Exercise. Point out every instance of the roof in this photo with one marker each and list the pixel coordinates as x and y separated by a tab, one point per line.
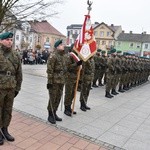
78	26
74	26
134	37
97	25
44	27
114	28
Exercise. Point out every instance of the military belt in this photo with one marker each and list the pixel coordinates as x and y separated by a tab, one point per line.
7	73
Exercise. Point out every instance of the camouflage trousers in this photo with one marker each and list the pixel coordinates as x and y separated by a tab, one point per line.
69	92
85	90
109	82
55	94
6	105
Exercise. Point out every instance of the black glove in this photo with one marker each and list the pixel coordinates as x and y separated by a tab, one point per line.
79	63
49	86
16	93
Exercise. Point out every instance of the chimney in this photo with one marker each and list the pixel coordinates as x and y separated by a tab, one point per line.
144	32
96	22
123	31
112	25
130	32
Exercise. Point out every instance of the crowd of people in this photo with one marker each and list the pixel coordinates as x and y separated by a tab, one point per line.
33	57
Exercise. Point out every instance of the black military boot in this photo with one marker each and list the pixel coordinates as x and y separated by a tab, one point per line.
94	85
114	92
67	110
82	107
125	88
121	90
56	117
1	139
100	84
108	95
51	117
87	107
7	135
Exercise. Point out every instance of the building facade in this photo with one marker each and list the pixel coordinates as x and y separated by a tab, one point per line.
138	44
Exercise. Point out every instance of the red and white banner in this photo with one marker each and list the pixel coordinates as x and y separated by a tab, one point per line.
85	44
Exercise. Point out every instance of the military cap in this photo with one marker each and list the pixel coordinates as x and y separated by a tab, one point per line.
108	52
99	50
119	51
112	51
6	35
103	52
57	43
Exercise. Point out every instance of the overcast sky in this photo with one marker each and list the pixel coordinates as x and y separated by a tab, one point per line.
132	15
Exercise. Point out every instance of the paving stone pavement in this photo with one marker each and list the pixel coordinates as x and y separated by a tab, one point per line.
118	123
34	134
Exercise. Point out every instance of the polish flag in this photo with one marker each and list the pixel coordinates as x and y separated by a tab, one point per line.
85	44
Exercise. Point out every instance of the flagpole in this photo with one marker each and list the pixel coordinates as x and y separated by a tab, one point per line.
75	91
80	67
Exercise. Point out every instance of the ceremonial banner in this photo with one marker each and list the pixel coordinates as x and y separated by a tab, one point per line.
85	44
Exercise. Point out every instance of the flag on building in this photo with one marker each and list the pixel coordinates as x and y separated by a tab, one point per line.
85	44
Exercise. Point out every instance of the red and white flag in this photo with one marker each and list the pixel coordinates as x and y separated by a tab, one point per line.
85	44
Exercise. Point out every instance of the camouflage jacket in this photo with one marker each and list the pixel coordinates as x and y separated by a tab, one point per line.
87	72
10	69
56	67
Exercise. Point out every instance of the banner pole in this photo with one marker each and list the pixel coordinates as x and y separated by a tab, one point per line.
75	91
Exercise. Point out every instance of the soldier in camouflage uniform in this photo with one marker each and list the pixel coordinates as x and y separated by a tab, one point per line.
87	75
56	72
103	64
72	68
10	83
97	67
110	73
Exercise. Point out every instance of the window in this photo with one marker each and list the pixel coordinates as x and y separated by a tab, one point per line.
68	33
17	37
110	43
76	32
138	45
131	45
119	43
103	42
95	33
101	33
146	46
47	39
108	34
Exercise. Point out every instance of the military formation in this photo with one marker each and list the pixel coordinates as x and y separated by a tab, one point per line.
118	72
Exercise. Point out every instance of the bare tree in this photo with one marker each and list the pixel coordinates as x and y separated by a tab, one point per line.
12	10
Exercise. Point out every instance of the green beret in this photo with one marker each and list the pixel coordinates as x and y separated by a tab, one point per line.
57	43
6	35
112	51
108	52
99	50
103	52
119	52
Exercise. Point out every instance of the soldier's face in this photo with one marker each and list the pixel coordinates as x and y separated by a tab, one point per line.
7	42
61	47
